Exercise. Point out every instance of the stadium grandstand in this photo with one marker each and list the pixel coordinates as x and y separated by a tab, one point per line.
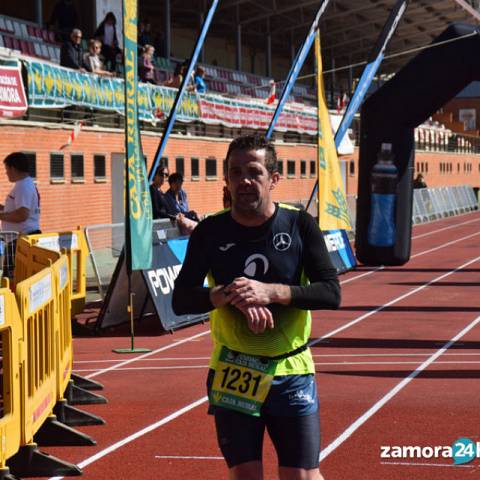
248	45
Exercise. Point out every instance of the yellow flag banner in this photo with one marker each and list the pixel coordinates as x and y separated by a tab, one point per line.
332	203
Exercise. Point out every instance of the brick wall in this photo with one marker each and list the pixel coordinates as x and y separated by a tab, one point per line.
67	204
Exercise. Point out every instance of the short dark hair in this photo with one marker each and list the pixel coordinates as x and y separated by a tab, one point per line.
175	178
17	160
160	169
255	142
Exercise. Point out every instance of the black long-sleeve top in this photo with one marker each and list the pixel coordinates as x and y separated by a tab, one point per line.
285	249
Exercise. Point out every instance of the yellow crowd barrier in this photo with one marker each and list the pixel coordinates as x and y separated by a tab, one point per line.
63	324
37	350
30	259
36	301
75	246
10	331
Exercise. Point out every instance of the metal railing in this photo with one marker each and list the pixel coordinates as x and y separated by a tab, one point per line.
436	203
105	244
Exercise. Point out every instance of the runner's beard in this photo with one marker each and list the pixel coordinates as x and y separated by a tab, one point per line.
248	203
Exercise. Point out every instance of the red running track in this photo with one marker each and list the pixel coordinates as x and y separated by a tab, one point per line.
397	365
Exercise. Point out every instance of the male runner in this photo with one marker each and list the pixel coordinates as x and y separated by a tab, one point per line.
258	256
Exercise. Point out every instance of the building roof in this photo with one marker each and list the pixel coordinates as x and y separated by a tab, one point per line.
349	28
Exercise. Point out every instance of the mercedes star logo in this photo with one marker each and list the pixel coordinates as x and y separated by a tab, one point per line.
282	241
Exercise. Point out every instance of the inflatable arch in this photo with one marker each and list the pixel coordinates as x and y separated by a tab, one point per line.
390	115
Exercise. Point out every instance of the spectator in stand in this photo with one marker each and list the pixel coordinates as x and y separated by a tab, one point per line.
159	205
176	198
144	34
146	70
177	78
71	53
419	182
199	83
92	60
64	17
107	34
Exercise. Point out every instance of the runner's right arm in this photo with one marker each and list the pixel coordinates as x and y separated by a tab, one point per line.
189	294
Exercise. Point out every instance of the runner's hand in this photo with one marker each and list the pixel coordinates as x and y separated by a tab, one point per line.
219	296
250	292
258	318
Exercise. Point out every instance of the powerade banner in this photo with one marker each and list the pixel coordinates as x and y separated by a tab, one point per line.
138	211
167	263
339	249
332	202
153	289
13	102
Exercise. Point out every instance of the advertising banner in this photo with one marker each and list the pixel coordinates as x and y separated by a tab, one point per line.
51	86
138	209
13	102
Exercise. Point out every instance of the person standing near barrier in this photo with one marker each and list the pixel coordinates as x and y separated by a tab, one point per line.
21	212
258	256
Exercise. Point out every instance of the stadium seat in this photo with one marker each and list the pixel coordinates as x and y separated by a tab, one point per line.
24	30
38	50
45	52
16	44
9	26
17	28
7	40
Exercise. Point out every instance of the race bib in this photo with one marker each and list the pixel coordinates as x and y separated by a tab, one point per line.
241	382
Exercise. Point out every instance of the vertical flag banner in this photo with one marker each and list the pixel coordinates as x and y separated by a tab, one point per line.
332	203
374	60
296	67
183	88
138	207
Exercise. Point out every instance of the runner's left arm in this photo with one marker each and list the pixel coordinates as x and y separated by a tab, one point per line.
323	292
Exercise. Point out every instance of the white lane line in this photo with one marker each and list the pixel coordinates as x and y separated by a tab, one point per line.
400	386
145	355
195	337
126	369
318	364
140	433
419	254
453	242
391	302
416	464
180	457
164	359
393	354
176	414
444	228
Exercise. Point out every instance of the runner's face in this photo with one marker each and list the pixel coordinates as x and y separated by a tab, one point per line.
249	181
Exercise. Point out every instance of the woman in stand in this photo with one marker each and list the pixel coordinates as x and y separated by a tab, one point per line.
107	34
146	69
92	59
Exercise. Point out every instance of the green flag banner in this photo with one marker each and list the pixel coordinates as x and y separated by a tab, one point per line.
138	211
